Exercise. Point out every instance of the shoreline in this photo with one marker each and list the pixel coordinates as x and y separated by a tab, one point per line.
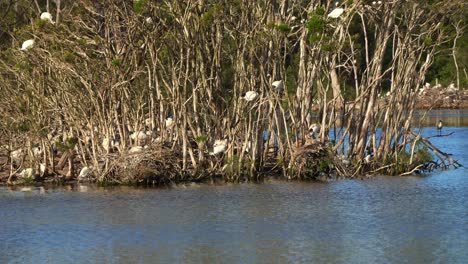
159	166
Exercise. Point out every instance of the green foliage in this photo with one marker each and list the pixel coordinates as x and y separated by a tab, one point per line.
320	11
201	139
67	145
139	6
23	127
210	15
116	62
291	82
283	28
69	57
427	41
316	24
81	42
423	155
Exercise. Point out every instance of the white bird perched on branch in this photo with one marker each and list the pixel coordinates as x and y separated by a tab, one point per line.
336	12
440	125
219	146
46	16
17	155
169	122
37	151
28	44
368	158
278	86
249	96
314	129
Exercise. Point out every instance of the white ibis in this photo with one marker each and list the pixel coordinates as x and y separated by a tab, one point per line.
110	145
27	173
28	44
169	122
440	125
149	20
219	146
17	155
135	150
368	158
46	16
42	168
249	96
336	12
139	135
314	129
278	86
37	151
84	173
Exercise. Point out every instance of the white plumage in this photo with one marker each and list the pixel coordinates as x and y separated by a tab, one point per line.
46	16
42	168
139	135
278	86
37	151
135	149
314	129
27	173
250	96
440	124
17	156
84	173
28	44
336	12
368	158
169	122
219	146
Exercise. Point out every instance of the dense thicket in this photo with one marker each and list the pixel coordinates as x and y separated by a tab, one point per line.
112	71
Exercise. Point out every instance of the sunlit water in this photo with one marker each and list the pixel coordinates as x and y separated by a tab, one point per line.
421	219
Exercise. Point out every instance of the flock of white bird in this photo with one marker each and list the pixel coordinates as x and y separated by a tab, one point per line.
219	146
46	16
29	44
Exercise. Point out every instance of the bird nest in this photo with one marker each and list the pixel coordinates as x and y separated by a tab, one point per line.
311	161
156	165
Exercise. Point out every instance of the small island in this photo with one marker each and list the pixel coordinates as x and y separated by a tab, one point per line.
146	93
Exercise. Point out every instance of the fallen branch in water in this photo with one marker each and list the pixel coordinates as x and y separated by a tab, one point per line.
412	171
382	168
440	154
445	135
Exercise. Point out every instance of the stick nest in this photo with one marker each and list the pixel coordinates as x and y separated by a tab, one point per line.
156	165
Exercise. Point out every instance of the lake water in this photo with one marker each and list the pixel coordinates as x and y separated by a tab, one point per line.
417	219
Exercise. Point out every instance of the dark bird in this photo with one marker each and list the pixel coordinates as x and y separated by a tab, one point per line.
440	124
